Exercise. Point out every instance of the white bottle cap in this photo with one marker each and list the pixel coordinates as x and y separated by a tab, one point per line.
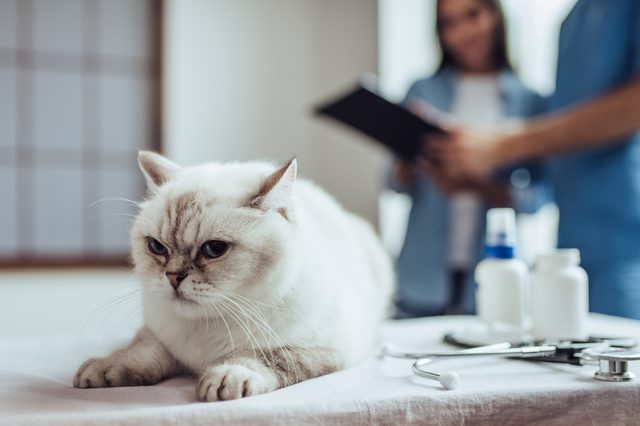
501	227
559	259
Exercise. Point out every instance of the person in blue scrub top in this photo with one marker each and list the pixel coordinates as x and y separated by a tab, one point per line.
591	139
477	86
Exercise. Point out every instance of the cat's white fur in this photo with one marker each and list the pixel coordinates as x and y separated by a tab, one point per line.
302	274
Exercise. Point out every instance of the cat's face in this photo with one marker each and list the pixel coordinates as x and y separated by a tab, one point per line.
211	235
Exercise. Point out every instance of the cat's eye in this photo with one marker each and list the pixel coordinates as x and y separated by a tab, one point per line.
214	248
156	246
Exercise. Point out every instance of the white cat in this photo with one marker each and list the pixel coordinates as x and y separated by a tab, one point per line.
252	280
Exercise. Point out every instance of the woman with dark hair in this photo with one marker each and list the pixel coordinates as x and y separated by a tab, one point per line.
476	85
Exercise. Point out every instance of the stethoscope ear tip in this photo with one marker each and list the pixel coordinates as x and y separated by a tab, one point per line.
449	381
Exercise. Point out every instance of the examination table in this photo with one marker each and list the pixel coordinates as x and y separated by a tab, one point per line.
36	376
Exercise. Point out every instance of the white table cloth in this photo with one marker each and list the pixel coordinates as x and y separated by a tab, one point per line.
36	375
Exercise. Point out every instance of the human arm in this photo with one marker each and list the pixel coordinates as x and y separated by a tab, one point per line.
593	124
597	123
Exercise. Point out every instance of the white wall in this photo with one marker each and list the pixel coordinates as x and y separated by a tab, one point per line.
408	47
534	28
241	77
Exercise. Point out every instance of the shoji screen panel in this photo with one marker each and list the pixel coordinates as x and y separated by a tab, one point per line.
79	96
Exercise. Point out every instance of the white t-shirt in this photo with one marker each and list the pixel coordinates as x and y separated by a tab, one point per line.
477	104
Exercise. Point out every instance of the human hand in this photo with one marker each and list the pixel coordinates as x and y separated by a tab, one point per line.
465	155
495	194
404	173
448	184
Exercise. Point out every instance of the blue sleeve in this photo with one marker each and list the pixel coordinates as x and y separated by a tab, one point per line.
412	93
539	104
635	26
535	104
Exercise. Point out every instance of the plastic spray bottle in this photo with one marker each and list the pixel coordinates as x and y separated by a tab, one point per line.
502	279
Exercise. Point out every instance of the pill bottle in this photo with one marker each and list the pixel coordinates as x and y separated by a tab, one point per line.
559	297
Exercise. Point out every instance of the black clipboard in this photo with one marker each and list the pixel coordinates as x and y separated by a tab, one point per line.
386	122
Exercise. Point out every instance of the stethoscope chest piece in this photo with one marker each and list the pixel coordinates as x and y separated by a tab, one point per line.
614	371
613	364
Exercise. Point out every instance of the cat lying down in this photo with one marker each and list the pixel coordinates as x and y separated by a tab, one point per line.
252	281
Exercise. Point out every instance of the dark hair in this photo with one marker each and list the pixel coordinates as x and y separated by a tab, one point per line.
500	50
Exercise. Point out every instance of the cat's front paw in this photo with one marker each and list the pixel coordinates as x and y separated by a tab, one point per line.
231	381
106	372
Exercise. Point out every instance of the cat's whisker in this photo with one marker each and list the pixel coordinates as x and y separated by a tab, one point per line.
241	311
233	346
255	311
266	330
215	317
266	337
248	314
268	360
246	330
121	294
255	302
121	214
248	303
131	315
206	315
106	304
129	310
121	301
108	309
235	319
285	349
102	200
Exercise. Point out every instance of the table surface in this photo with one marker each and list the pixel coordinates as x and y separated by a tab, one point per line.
36	374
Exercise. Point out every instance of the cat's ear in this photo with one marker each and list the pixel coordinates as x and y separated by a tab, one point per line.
157	169
276	190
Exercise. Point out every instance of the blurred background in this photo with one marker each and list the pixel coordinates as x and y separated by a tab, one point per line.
85	84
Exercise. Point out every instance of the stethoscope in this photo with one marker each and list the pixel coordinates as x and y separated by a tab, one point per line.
611	355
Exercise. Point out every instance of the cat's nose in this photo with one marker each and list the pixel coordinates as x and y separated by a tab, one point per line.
175	278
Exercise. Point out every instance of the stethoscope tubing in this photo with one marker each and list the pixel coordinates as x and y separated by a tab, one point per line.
520	352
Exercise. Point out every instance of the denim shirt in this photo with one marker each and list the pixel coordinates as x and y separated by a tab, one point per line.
422	267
